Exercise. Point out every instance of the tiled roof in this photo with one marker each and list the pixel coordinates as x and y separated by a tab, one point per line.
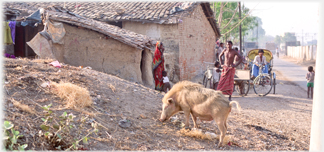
158	12
153	12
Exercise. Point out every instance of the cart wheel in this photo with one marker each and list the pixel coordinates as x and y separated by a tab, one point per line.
246	88
274	83
274	86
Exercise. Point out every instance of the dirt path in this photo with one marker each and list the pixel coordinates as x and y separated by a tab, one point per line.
286	113
275	122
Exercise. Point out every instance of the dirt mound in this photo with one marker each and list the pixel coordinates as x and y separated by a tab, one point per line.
123	115
37	111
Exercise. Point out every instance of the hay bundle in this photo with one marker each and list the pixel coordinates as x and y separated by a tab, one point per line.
75	97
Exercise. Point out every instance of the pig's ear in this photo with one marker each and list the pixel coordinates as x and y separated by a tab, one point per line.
170	100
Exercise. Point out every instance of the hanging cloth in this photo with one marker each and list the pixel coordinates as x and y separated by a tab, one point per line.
12	25
7	33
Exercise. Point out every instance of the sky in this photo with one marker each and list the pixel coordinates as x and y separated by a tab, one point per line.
301	17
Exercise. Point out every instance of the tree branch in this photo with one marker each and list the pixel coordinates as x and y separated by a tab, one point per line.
239	21
237	24
220	16
232	17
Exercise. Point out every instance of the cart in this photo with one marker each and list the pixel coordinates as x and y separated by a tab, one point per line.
264	82
242	78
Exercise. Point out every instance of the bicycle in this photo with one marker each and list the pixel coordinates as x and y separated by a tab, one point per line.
262	84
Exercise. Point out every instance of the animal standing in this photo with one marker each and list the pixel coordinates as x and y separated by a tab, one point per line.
194	99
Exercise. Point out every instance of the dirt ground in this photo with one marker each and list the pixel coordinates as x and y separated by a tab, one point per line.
278	121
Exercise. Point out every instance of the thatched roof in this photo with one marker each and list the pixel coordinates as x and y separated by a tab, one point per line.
146	12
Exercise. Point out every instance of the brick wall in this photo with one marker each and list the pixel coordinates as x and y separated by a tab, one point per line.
187	44
197	42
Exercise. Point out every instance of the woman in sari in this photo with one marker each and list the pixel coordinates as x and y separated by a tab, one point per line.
158	65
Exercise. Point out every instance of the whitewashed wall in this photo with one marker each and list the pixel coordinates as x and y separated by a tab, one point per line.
302	52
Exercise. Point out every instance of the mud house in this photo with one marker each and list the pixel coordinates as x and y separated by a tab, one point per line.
188	29
80	41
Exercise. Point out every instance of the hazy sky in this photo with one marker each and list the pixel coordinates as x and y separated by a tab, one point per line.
279	17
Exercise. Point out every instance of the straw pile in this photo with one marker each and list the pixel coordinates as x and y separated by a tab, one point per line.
75	97
194	133
197	133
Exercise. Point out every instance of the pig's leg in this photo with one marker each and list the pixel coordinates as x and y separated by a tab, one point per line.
222	128
194	118
187	115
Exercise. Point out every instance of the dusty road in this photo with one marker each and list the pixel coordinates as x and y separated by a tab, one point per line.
288	112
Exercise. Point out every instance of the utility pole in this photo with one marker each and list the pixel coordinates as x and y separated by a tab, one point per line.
239	3
258	33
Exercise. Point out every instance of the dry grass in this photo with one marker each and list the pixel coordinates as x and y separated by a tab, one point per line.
101	139
43	60
194	133
92	114
23	107
112	87
75	97
200	135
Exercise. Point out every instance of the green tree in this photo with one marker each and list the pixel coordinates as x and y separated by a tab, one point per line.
228	20
289	37
278	39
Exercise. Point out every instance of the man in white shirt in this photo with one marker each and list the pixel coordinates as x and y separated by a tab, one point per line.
259	60
277	52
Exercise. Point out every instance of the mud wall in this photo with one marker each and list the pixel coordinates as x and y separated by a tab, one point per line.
83	47
168	35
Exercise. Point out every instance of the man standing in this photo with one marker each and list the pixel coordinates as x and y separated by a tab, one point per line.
226	82
219	51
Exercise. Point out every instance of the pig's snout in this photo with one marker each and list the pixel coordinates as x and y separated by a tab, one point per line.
163	117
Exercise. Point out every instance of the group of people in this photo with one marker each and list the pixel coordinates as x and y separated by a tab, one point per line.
227	60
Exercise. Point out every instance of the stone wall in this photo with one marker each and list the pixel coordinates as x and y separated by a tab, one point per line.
83	47
197	42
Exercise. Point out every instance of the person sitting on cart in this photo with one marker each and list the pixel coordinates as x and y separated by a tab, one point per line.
258	61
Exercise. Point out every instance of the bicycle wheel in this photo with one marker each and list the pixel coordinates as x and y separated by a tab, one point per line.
246	87
262	85
205	81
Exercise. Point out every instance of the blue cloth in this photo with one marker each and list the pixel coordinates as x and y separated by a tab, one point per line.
255	70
